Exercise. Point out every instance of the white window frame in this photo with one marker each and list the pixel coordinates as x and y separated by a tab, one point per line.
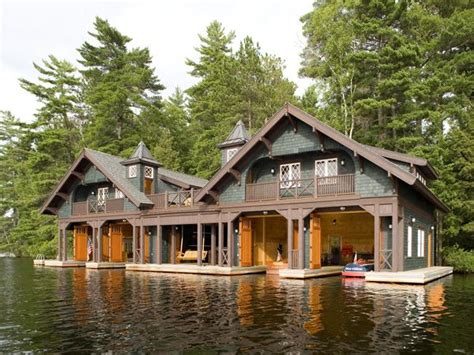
230	153
294	174
102	195
119	194
132	171
409	241
148	172
326	173
421	243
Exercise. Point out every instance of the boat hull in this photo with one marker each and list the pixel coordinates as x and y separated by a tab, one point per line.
357	270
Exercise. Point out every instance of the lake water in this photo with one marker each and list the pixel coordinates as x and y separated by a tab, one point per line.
56	310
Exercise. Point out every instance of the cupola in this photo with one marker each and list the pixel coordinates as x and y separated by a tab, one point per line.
236	139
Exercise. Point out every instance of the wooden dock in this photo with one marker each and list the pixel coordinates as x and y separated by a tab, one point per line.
196	269
104	265
302	274
417	277
59	263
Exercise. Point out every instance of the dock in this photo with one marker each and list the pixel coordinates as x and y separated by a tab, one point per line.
416	277
302	274
196	269
59	263
104	265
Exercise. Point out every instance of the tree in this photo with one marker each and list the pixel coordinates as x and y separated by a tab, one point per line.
120	89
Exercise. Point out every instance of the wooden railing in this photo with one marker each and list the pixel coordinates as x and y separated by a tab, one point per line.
91	206
173	199
302	188
385	262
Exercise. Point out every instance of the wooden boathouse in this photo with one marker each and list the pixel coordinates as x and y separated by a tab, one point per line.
298	198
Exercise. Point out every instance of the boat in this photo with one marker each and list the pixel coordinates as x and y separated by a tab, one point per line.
358	268
7	255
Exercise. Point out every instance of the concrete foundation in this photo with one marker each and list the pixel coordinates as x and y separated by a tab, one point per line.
196	269
302	274
59	263
104	265
418	277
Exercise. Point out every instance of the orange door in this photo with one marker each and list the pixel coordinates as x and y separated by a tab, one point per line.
116	244
148	186
295	235
316	242
80	243
246	242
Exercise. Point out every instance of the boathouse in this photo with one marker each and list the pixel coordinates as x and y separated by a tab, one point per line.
298	198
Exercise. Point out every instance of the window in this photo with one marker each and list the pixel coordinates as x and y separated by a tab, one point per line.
118	193
132	171
102	195
421	243
409	241
290	175
324	168
148	172
231	153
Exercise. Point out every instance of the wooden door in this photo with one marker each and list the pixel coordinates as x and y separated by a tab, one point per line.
295	235
116	248
246	242
80	243
148	186
315	242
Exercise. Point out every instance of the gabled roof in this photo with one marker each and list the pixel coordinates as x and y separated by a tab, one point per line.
238	136
183	180
359	149
141	154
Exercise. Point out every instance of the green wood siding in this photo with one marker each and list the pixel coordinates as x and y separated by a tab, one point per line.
415	262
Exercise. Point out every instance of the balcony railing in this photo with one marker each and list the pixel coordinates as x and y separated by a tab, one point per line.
173	199
302	188
92	206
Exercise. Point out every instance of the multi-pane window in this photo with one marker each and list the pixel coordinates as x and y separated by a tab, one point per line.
118	193
290	175
421	243
132	171
324	168
231	153
102	194
409	241
148	172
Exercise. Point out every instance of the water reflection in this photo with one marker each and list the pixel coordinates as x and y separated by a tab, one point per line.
111	310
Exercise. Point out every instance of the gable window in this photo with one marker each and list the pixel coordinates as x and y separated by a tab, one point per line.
409	241
148	172
324	168
290	175
102	194
132	171
118	194
230	153
421	243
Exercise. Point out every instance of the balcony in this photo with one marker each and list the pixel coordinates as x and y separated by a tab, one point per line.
173	199
302	188
92	206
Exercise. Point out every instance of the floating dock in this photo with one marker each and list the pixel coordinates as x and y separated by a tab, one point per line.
59	263
104	265
302	274
417	277
196	269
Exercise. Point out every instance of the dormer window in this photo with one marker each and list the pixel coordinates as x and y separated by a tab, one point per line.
148	172
231	153
132	171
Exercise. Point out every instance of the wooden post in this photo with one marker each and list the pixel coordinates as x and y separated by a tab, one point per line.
173	245
213	244
60	249
230	243
290	242
377	246
99	245
220	247
300	243
142	244
159	244
134	246
64	244
199	244
94	244
395	239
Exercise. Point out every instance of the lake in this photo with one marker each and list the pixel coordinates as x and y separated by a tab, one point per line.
58	310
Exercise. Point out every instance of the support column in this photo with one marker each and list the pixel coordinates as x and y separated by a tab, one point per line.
230	243
290	242
199	244
159	244
220	247
142	244
300	243
99	245
94	244
173	244
134	246
213	244
377	246
395	239
64	244
60	249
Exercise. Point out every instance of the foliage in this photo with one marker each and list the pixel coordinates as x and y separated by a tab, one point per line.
461	260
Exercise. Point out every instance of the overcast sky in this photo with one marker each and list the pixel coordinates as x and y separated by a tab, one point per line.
31	30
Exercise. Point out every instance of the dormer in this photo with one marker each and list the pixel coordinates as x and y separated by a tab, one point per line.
142	169
236	139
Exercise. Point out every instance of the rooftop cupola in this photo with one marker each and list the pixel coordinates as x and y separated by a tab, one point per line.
142	169
235	140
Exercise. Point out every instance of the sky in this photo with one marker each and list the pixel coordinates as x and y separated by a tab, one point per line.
32	30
